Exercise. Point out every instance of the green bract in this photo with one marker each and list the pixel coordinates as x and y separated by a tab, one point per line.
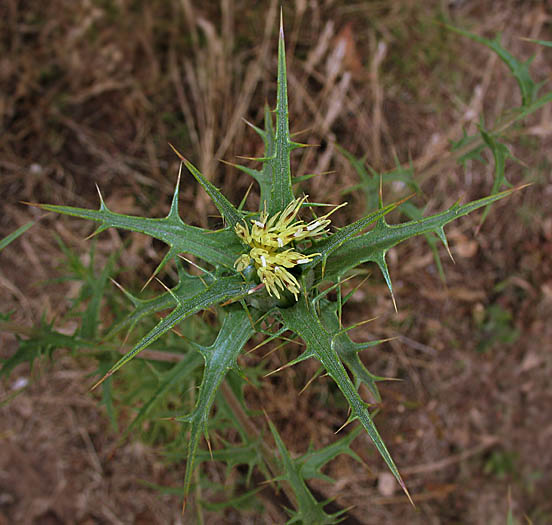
240	284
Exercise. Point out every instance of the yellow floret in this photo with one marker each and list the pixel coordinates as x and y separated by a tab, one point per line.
267	237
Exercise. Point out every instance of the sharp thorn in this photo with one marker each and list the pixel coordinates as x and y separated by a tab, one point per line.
147	282
97	384
343	426
310	381
394	303
180	156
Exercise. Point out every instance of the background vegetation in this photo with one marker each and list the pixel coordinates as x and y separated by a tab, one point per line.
92	92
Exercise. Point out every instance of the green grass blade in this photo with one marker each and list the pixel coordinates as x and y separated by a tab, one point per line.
14	235
107	400
96	286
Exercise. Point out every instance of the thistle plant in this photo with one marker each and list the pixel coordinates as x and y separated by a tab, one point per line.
271	267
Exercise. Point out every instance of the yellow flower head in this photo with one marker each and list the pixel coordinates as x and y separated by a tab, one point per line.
267	239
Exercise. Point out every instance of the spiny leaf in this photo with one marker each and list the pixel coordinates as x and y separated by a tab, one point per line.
309	510
520	70
330	244
188	286
500	153
281	193
303	320
262	179
233	416
370	185
313	461
228	211
219	248
415	213
220	357
224	289
472	145
234	455
473	153
42	341
370	182
373	245
303	178
348	351
527	110
265	179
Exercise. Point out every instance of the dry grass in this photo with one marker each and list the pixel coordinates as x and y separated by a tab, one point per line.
92	92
